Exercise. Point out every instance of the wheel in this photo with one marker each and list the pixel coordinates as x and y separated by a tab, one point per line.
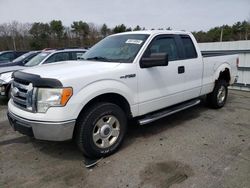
101	129
218	97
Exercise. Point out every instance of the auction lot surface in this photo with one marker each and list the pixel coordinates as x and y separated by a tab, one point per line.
198	147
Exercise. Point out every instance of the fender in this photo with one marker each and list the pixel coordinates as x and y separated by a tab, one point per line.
100	87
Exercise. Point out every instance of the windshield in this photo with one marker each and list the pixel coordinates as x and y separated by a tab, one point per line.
37	59
117	48
22	57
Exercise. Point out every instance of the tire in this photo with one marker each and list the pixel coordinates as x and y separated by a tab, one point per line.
9	93
218	97
100	129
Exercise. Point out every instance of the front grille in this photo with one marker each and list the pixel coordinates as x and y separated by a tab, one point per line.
21	95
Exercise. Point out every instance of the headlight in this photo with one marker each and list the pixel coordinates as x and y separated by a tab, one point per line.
6	77
50	97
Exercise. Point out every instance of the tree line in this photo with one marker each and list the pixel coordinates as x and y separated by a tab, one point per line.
238	31
39	35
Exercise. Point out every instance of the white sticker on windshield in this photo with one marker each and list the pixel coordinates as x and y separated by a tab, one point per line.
134	41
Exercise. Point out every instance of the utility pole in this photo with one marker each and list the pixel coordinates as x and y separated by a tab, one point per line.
14	42
221	34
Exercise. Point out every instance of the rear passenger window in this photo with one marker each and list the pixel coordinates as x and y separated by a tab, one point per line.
163	45
77	55
189	48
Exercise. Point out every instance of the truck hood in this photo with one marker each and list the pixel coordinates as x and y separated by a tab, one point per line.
71	69
11	69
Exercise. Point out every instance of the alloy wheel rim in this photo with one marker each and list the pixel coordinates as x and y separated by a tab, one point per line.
221	95
106	131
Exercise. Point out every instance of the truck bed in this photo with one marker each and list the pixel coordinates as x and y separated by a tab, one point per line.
212	61
218	53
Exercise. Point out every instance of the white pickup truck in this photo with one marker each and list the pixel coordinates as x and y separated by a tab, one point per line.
144	75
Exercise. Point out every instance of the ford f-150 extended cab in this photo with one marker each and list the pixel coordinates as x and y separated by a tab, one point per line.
144	75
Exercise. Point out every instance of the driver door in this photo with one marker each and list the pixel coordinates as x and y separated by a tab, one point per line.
162	86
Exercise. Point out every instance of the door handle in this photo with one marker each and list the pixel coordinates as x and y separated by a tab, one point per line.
181	69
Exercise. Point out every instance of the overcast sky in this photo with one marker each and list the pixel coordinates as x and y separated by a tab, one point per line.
190	15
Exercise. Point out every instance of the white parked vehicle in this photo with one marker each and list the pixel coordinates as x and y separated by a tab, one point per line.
45	57
144	75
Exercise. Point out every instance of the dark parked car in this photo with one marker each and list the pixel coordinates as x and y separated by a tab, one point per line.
21	60
8	56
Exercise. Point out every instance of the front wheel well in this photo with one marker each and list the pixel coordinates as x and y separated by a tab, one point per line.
111	98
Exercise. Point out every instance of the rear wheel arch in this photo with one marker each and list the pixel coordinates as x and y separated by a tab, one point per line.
225	75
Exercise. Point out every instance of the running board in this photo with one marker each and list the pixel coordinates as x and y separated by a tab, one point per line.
158	115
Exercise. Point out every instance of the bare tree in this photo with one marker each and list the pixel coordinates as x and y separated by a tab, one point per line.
94	34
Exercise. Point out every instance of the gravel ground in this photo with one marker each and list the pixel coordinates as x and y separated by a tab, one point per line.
195	148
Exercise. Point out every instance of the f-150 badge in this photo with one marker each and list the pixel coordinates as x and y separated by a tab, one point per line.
128	76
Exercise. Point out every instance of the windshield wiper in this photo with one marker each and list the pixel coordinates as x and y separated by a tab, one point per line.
98	58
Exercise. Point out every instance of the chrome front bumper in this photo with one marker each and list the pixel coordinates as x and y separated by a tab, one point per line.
53	131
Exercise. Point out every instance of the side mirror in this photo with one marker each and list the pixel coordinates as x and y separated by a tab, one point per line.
155	60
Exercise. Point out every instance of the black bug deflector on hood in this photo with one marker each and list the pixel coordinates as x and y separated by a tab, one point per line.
36	80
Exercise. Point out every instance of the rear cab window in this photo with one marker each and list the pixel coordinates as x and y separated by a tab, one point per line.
188	47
